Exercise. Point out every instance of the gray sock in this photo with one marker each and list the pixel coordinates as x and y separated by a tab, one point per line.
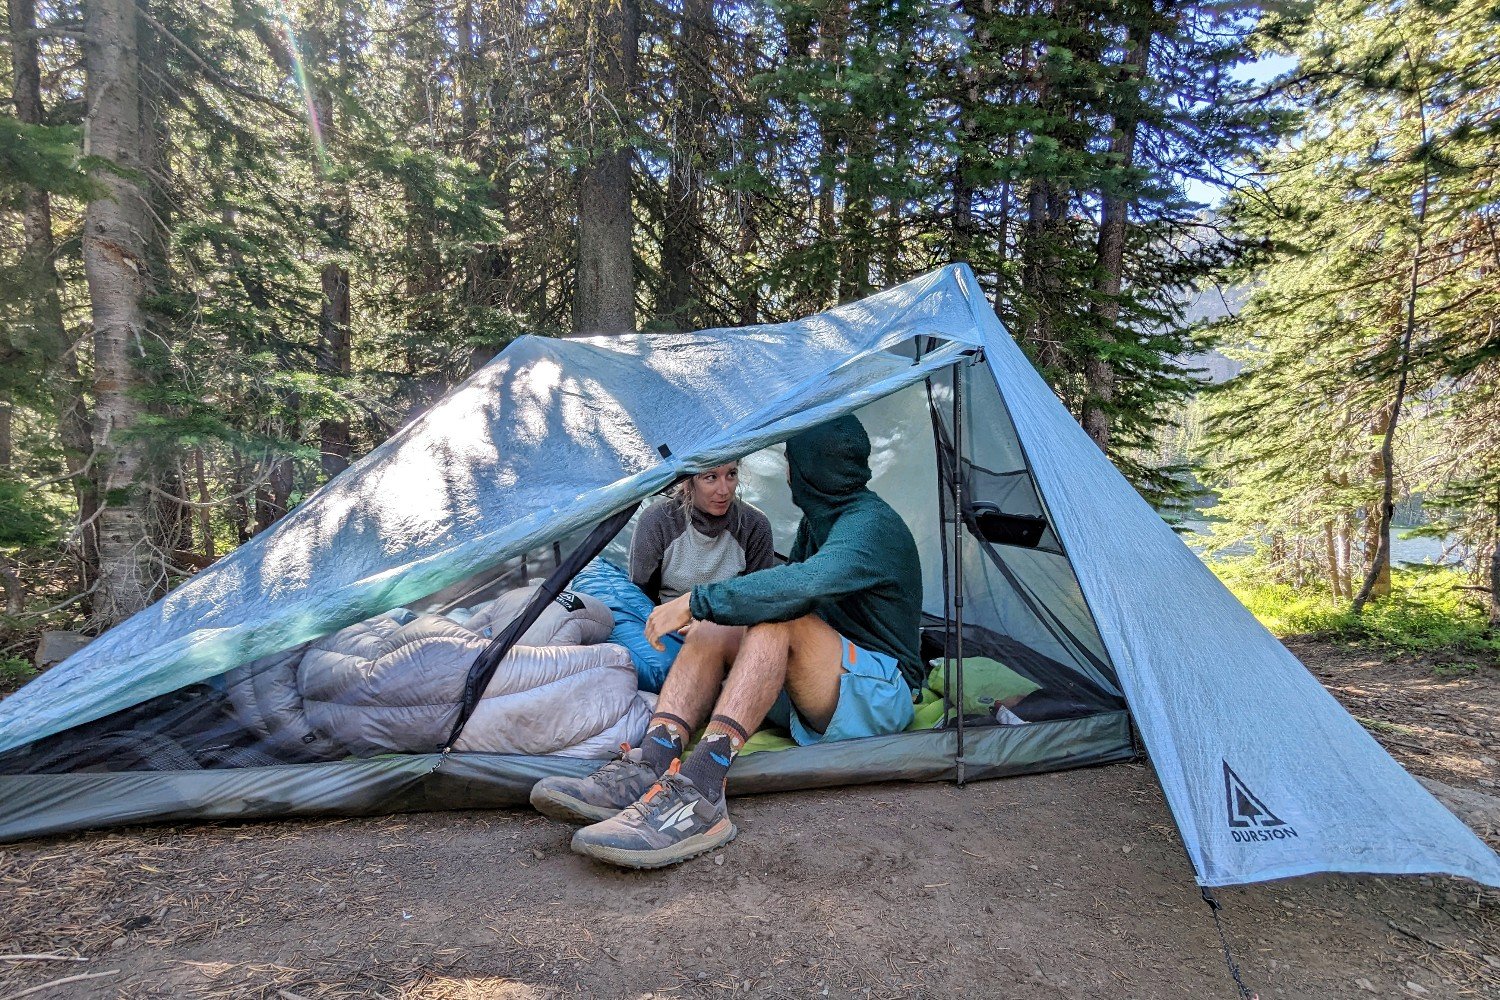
662	744
708	765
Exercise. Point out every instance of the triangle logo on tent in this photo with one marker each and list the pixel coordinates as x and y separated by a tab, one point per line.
1248	813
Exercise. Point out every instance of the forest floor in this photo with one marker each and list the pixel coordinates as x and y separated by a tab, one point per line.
1068	885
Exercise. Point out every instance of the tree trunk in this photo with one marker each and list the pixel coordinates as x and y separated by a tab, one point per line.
833	34
489	272
1331	552
857	244
971	99
891	271
39	267
239	505
115	265
1278	557
48	336
749	204
1495	571
1002	238
1378	579
205	512
1382	465
15	590
1346	553
424	266
604	301
1377	526
682	235
335	220
273	496
334	355
1040	263
1098	368
170	516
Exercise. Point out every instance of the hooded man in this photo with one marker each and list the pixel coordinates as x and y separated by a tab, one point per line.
826	645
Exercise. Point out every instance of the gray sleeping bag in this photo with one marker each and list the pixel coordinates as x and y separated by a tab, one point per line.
386	686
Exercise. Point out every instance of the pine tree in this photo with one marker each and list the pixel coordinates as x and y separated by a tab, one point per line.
1368	281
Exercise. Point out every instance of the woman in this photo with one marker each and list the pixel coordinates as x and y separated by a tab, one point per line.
701	534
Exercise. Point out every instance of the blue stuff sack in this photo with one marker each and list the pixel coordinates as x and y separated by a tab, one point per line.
609	583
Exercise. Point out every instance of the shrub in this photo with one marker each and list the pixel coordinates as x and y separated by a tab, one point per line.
1426	610
14	672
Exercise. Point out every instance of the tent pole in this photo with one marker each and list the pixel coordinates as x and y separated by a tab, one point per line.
939	442
488	661
959	761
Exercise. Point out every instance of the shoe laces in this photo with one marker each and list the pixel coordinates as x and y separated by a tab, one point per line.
663	793
618	768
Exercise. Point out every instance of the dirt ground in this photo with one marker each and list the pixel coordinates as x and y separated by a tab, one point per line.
1059	886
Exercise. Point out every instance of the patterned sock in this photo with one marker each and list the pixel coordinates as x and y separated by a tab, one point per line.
665	737
708	765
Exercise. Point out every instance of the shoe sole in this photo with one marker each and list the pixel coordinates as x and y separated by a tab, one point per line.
566	809
717	835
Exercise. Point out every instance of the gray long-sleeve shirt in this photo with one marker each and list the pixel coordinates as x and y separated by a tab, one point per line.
669	555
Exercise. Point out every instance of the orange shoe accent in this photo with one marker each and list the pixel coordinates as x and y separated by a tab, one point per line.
672	768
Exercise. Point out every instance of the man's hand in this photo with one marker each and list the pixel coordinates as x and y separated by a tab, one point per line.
670	617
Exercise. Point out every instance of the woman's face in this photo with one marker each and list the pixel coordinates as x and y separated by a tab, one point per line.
713	491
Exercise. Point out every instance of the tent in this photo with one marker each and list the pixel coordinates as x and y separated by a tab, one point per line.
1035	550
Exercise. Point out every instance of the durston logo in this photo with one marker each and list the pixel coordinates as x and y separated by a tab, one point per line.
1250	819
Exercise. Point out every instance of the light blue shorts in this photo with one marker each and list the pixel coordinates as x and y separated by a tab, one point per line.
874	700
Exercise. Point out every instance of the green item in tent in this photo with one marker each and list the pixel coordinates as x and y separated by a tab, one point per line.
927	713
769	738
986	683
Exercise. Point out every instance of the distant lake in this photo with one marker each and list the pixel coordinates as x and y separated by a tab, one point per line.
1403	550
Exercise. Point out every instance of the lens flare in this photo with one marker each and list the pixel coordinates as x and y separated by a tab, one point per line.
299	74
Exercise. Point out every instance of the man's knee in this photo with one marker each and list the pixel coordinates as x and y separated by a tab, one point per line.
789	629
807	630
770	635
709	637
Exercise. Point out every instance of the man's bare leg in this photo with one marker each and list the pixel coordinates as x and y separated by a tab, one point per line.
689	691
698	673
803	655
691	687
684	813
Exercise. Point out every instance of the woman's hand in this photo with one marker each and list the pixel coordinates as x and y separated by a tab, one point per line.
670	617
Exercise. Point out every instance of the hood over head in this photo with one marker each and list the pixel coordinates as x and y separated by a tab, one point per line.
830	464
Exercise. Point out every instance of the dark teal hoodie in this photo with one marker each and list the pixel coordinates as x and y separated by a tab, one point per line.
854	562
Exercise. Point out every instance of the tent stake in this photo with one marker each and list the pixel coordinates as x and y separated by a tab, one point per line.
959	761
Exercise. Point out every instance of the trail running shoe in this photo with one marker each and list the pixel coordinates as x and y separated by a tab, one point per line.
596	796
672	822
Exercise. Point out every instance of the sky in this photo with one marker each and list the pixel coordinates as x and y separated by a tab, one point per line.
1260	71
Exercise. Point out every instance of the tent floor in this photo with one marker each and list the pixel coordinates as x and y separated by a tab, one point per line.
39	804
